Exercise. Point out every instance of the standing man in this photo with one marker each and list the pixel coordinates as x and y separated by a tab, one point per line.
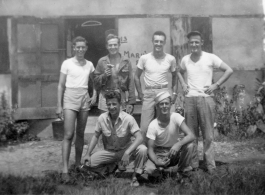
199	102
117	129
74	101
155	66
165	148
114	72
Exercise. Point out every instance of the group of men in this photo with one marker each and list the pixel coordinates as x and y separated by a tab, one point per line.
157	144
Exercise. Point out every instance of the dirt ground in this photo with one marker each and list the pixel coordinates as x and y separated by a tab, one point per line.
40	157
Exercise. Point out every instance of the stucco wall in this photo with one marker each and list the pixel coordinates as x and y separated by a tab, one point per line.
238	41
126	7
246	78
5	80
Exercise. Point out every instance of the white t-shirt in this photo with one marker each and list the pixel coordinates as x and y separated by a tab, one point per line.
155	70
200	74
168	136
77	75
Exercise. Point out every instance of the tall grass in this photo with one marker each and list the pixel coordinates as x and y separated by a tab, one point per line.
230	179
10	184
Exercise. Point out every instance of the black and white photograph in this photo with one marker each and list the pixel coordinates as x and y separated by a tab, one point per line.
132	97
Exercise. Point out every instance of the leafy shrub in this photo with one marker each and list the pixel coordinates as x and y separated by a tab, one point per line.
235	117
9	129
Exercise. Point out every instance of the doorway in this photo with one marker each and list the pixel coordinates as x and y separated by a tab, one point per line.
93	30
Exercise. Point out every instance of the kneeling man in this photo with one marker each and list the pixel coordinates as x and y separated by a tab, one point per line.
165	148
117	128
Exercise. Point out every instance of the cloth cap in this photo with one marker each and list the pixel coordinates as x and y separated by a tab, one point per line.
161	96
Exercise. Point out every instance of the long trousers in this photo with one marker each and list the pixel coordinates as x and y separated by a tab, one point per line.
182	159
200	115
103	158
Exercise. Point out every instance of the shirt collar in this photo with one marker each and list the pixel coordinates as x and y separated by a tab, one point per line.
122	58
75	60
121	115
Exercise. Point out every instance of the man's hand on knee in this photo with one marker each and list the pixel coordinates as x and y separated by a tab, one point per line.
125	159
163	163
87	160
174	150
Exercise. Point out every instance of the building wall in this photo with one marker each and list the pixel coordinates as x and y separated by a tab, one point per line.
238	41
128	7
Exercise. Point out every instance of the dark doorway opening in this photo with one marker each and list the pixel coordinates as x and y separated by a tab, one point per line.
93	30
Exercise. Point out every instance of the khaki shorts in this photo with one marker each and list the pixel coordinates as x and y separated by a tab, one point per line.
76	99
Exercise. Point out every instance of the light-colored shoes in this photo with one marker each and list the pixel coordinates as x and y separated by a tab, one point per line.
187	169
134	182
65	178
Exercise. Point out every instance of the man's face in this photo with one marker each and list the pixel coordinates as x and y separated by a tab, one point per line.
158	43
113	106
164	106
80	49
195	44
113	46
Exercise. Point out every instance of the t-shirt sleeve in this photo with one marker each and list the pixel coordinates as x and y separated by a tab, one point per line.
173	66
134	126
216	61
178	119
141	63
151	132
92	67
182	64
64	68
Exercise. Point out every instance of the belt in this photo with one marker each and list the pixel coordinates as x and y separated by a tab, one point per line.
156	87
162	148
111	89
116	149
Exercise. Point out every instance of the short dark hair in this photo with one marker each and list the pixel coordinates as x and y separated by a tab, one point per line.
112	36
194	33
160	33
78	39
113	94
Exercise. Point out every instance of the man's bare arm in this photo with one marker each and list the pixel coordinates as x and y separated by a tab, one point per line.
137	82
227	73
60	92
189	137
93	143
126	156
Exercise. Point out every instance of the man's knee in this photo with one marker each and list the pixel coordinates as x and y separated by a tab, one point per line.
80	134
209	137
189	147
68	135
142	150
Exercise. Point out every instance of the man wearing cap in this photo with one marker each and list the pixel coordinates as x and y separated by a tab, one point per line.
114	72
117	128
156	66
165	148
198	89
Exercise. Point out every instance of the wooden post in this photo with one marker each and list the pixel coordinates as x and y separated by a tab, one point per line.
12	45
